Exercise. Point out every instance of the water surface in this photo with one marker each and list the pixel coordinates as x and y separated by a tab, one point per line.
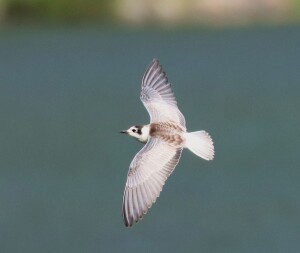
66	93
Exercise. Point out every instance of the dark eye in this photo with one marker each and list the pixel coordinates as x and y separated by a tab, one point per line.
133	130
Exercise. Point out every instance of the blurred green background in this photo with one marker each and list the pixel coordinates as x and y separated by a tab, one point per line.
137	12
70	74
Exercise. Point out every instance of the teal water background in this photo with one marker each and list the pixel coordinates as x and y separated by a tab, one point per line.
66	93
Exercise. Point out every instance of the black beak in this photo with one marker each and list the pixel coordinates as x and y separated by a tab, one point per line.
123	132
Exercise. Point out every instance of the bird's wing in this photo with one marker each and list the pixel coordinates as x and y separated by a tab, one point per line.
158	97
147	174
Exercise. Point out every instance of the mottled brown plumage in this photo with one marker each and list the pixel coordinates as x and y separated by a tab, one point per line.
168	132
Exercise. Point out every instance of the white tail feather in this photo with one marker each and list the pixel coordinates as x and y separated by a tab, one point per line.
201	144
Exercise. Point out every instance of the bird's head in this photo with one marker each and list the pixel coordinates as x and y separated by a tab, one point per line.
139	132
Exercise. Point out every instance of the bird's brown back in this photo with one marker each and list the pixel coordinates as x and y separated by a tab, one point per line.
168	132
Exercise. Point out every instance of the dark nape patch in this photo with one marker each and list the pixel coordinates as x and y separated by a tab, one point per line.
139	129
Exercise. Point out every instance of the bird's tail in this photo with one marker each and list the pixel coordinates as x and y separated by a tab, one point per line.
200	143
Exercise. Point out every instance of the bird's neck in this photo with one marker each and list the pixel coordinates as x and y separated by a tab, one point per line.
145	133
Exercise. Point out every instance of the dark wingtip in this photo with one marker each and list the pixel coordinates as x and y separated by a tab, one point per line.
155	62
128	223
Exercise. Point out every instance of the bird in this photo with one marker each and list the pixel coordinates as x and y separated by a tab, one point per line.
165	137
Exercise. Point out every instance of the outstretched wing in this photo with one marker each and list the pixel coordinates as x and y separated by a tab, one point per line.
147	174
158	97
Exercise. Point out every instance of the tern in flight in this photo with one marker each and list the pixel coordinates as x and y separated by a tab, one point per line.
165	138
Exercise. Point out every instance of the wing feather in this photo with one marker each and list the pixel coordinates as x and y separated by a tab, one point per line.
158	97
147	174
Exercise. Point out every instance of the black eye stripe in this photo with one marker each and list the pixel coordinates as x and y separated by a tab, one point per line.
139	131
